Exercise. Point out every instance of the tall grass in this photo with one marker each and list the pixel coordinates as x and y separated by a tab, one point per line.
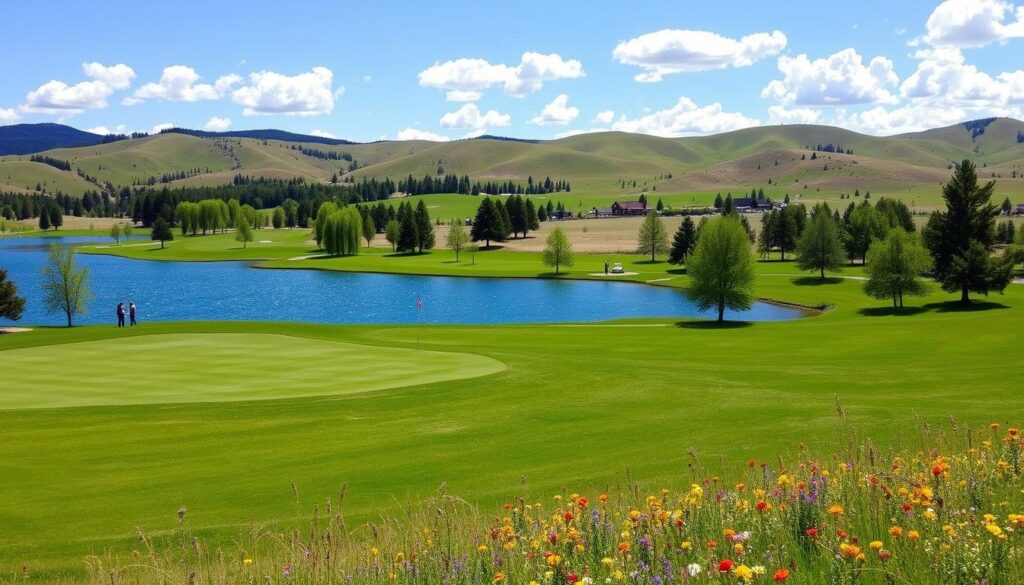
942	507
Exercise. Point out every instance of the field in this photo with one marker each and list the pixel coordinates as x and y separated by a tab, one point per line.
586	406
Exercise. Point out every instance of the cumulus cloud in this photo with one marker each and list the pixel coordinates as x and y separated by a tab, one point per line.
306	94
217	124
556	113
470	117
417	134
944	77
322	134
161	127
840	79
973	23
685	118
605	117
8	116
783	115
58	98
465	80
179	83
671	51
103	130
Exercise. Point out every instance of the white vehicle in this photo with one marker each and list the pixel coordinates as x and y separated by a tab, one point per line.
617	268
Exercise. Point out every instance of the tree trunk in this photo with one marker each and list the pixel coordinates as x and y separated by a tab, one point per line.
965	295
69	317
823	272
161	244
721	311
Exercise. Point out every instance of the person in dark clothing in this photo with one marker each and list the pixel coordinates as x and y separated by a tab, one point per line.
120	314
131	313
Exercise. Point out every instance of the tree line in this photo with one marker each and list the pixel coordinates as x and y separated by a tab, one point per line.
53	162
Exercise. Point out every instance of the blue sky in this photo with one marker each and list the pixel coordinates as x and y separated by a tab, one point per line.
446	70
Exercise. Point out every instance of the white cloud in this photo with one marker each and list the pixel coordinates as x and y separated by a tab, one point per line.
973	23
685	118
556	113
464	80
671	51
322	134
179	83
605	117
416	134
579	131
59	98
8	116
217	124
160	127
840	79
944	77
469	117
306	94
101	130
783	115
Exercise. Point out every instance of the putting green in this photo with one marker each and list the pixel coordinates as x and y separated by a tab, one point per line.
218	367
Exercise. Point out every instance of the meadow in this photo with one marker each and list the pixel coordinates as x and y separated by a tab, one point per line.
590	406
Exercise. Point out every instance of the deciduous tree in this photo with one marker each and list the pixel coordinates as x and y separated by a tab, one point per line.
65	286
558	250
721	269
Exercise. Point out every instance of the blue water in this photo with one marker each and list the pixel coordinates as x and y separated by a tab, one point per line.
179	291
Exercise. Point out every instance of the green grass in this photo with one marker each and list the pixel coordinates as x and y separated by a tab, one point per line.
580	405
106	372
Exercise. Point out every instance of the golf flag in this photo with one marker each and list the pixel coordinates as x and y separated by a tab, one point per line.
419	304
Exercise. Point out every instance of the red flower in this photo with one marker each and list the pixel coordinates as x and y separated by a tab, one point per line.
937	470
553	537
762	506
568	517
812	532
781	575
572	578
582	502
884	555
906	506
725	566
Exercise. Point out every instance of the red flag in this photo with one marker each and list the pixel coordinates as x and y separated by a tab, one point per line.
419	304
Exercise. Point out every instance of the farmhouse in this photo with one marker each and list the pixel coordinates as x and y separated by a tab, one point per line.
629	208
1020	209
601	212
751	205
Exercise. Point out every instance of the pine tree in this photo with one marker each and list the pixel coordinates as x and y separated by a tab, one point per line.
11	305
683	242
424	229
820	246
489	224
162	231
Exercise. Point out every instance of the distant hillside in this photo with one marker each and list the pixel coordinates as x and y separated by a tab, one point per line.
268	134
32	138
807	161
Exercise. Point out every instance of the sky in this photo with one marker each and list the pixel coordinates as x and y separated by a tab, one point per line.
445	70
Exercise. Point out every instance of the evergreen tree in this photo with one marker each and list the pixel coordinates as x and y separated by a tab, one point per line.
424	229
684	241
532	219
961	238
718	201
161	231
56	216
408	234
489	224
11	305
369	228
784	231
865	225
44	220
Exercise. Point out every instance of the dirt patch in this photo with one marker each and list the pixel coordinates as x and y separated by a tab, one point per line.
7	330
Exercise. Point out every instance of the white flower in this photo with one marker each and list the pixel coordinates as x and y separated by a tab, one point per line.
693	569
758	569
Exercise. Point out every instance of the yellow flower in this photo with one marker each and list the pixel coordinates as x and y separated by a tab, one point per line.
994	530
608	562
246	561
913	534
876	545
499	577
835	510
743	573
482	548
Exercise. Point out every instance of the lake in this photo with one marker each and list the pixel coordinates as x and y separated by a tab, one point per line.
182	291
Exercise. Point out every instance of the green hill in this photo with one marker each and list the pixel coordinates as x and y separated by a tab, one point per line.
777	159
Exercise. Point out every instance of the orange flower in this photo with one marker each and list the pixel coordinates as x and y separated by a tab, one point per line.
781	575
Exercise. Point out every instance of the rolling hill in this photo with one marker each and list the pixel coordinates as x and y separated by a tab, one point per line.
30	138
795	160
